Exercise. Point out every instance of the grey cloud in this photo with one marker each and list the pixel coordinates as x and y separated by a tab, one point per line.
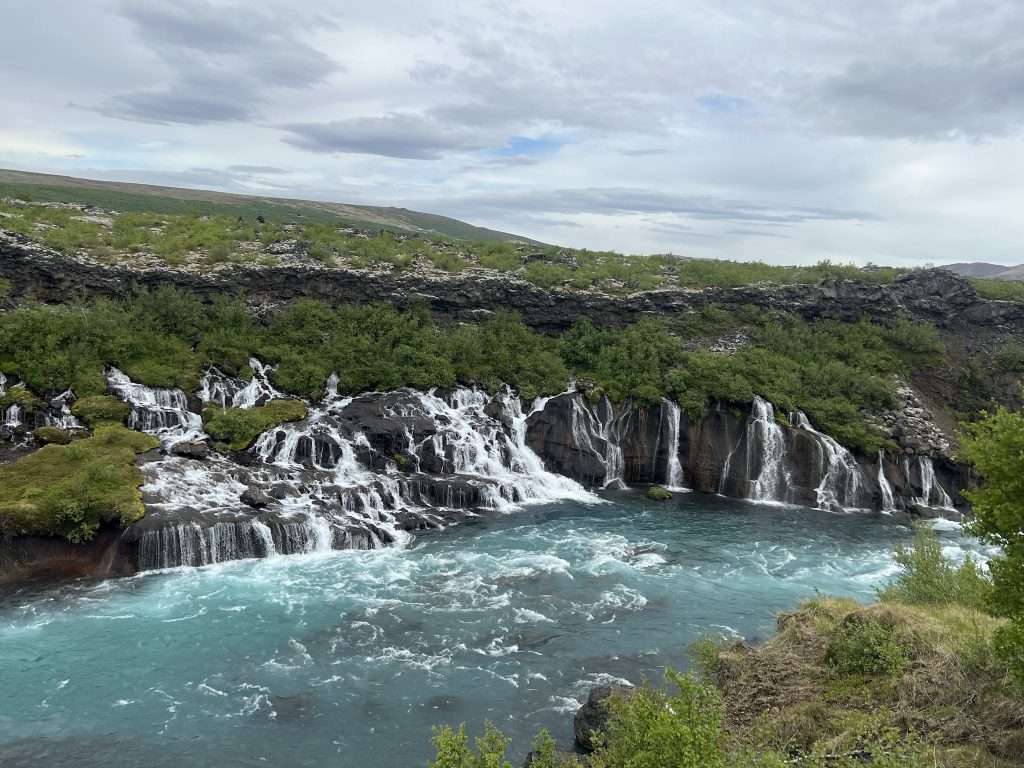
401	135
618	201
223	61
928	100
258	169
173	106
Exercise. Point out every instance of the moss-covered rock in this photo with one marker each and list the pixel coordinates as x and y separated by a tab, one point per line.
52	435
21	397
658	493
69	490
238	428
97	409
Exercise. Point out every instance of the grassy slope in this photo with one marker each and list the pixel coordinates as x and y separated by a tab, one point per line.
123	196
838	672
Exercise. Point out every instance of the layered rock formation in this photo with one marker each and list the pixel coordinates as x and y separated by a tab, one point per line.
935	296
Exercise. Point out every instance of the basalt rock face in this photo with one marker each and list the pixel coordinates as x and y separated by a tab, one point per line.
26	558
934	295
745	452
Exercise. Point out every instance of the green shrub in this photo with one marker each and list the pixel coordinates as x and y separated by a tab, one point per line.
653	728
995	445
69	490
864	646
52	435
96	409
453	750
238	428
928	578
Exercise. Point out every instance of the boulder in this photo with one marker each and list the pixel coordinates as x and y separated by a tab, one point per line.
255	497
592	718
189	449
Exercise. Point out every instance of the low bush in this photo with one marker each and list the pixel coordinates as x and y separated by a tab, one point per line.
238	428
864	646
928	578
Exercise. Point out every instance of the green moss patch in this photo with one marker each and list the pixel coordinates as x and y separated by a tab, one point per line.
238	428
52	435
21	397
69	490
658	493
97	409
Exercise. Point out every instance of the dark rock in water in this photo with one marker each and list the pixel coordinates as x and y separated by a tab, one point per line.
188	449
255	497
281	491
592	718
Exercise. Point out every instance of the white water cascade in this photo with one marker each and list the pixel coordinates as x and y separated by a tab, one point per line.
842	478
772	481
674	468
156	410
228	392
587	421
888	499
932	492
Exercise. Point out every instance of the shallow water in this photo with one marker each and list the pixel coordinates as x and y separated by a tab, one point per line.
348	658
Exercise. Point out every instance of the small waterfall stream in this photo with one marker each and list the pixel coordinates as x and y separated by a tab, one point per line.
842	478
159	411
888	499
772	481
601	422
674	469
932	492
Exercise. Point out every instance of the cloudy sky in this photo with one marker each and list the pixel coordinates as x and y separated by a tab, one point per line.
788	131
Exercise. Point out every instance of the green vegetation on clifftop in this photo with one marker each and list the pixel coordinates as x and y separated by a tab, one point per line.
832	371
70	490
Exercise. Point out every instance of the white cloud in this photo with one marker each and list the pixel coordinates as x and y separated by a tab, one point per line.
731	128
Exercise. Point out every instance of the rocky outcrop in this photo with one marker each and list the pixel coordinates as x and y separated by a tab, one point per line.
931	295
591	719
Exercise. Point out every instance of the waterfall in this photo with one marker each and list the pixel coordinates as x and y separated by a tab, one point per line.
191	544
772	480
842	481
888	500
12	416
673	468
932	493
159	411
586	423
227	392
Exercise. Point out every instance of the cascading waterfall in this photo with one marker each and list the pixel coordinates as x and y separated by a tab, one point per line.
932	492
156	410
888	498
674	468
229	392
763	432
586	422
842	479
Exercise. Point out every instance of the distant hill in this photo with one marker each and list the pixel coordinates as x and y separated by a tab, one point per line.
122	196
985	270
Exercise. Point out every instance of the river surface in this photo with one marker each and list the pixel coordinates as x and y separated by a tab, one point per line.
349	658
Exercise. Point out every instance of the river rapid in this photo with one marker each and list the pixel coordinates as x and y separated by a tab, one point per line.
348	658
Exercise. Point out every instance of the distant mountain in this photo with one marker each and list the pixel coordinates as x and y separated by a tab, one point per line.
122	196
983	269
